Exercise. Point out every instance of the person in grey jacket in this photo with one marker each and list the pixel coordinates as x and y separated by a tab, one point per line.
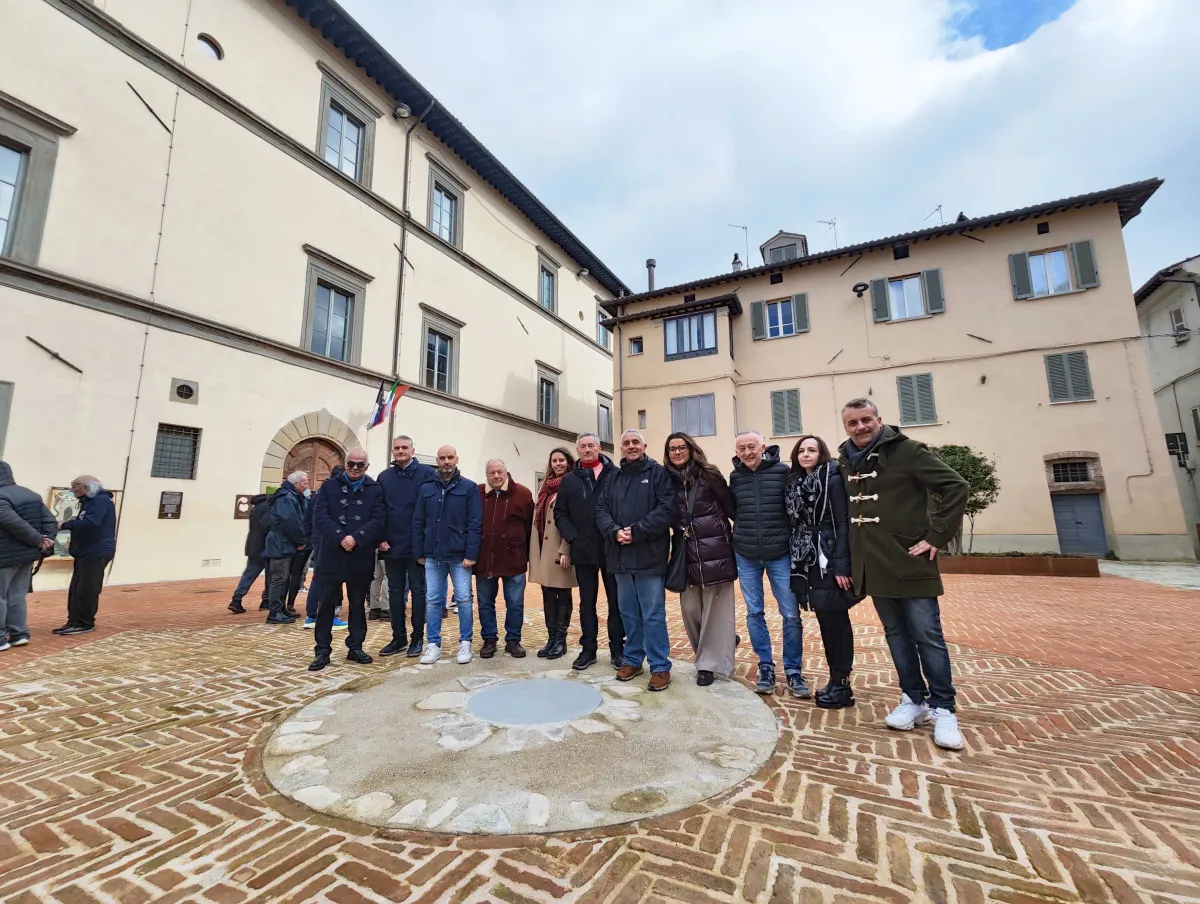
27	530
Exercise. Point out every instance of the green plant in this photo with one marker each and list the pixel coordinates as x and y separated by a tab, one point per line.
979	472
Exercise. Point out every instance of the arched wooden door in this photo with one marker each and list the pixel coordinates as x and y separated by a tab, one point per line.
315	456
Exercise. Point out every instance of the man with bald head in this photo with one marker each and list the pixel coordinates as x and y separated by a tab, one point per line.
447	527
93	544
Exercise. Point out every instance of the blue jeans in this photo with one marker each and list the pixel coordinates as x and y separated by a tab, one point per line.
514	606
913	629
254	567
437	571
750	575
642	600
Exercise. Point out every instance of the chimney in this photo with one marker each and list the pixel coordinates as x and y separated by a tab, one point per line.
737	263
650	274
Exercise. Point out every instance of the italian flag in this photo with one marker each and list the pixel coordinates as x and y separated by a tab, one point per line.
385	402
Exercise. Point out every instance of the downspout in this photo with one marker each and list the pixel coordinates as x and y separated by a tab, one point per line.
621	365
403	262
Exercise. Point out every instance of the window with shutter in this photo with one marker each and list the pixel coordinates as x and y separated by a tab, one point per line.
916	399
935	299
694	415
800	309
880	305
690	336
758	320
785	413
1086	273
1022	278
908	400
1069	377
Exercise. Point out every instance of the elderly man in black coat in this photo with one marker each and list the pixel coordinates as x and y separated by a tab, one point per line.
27	530
349	516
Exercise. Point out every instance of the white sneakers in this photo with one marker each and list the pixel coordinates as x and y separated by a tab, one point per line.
433	652
909	715
945	730
464	652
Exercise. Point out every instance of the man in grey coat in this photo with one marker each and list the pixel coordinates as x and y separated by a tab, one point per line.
27	530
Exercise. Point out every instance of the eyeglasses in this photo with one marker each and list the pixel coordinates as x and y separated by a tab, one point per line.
674	449
355	465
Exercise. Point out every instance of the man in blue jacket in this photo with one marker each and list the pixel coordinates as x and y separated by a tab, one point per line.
285	537
447	527
402	481
27	531
349	516
93	544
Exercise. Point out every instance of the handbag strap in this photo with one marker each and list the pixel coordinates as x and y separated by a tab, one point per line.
691	505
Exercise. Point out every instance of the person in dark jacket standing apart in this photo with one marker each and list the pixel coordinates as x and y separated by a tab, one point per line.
285	536
760	541
503	558
634	514
575	518
703	509
820	554
256	544
27	530
896	530
402	480
446	529
93	545
350	516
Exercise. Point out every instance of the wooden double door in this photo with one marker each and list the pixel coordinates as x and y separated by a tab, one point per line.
317	457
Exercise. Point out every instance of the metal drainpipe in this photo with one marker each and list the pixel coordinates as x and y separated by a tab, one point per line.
620	368
403	259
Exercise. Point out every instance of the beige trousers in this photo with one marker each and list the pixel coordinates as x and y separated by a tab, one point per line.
709	616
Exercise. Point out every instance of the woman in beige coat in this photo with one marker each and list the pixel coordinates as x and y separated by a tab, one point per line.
549	558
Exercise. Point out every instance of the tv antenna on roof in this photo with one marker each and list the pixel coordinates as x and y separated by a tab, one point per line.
938	211
832	224
746	238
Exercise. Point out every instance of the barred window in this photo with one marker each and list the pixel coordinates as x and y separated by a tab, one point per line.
176	450
1072	472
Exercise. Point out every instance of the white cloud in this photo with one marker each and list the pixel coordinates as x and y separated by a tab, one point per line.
647	128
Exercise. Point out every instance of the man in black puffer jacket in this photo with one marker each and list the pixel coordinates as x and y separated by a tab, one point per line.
634	515
256	544
575	518
761	534
27	530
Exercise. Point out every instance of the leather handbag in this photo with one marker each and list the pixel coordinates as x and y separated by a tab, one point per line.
676	580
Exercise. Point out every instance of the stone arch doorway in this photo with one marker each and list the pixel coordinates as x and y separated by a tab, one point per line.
318	439
316	457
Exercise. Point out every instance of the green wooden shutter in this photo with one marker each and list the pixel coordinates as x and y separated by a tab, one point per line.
758	320
792	412
1056	376
800	311
1079	376
879	300
1086	274
778	413
907	390
935	300
6	394
926	410
1022	279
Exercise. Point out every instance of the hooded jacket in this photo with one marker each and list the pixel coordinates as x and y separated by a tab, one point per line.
891	511
94	531
641	496
448	520
256	536
761	530
507	526
709	546
575	511
401	486
24	521
287	516
340	511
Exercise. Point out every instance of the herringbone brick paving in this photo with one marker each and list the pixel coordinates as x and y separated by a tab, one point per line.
129	772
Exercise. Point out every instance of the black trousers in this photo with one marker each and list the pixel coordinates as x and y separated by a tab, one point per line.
279	569
296	575
837	635
589	578
331	596
406	575
83	597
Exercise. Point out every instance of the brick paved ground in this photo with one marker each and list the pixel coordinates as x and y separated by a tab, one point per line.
129	772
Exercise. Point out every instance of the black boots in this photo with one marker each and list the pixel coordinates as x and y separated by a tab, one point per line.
558	619
550	612
838	694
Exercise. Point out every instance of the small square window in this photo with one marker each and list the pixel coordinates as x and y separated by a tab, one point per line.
176	451
1071	472
781	254
905	298
1177	445
636	346
1179	325
641	418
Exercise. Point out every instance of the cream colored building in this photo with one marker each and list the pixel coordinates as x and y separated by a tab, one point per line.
1013	334
1168	309
203	209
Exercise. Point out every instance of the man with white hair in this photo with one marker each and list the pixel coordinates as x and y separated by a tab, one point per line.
634	515
93	544
285	537
503	558
762	544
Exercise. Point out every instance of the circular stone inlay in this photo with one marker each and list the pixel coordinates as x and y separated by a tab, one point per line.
534	702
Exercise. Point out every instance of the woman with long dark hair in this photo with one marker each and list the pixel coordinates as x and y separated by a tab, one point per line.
549	558
703	509
818	510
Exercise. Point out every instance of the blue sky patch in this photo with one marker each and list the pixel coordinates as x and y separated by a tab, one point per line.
1003	22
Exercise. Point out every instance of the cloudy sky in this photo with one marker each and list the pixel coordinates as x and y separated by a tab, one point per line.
649	127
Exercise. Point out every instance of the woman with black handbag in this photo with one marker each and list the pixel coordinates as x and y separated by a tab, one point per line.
704	507
818	510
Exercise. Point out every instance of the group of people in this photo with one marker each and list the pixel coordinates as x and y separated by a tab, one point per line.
825	532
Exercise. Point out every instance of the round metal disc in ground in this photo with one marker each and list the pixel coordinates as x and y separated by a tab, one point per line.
534	702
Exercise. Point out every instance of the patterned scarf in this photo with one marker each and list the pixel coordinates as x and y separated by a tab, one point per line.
548	491
807	500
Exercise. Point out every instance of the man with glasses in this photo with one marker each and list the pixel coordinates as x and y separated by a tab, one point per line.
350	515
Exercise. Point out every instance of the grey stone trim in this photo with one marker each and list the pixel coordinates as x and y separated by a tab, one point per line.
48	284
334	89
433	320
439	174
327	269
451	321
549	368
551	266
550	375
35	135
